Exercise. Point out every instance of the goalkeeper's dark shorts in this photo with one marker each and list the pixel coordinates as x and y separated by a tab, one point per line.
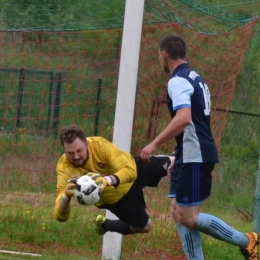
131	208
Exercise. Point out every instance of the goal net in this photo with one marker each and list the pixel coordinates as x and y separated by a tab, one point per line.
59	64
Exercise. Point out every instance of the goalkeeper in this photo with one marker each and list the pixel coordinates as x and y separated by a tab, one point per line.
120	176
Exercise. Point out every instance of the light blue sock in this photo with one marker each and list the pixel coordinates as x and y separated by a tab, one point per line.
191	242
218	229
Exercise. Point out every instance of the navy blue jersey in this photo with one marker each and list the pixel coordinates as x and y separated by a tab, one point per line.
187	89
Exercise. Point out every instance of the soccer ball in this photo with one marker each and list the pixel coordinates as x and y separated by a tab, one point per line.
87	192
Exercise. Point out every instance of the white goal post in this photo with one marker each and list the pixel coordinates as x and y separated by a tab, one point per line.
126	92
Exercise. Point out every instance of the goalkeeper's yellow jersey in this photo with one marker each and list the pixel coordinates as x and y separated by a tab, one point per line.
104	158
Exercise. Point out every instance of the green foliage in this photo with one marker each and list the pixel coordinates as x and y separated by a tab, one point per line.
80	76
246	96
61	14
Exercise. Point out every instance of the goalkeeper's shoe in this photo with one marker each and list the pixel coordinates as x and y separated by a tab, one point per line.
251	251
99	221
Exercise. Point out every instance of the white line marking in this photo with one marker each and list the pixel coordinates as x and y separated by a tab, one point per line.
18	253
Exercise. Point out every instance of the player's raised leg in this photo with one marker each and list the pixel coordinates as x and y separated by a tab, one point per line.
104	225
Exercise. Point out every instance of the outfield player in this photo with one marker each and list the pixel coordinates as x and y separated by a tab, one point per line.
121	178
196	154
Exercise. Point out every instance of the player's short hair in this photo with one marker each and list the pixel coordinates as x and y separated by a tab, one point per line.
174	45
69	133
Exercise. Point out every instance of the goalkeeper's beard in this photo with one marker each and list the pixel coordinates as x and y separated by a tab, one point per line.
79	163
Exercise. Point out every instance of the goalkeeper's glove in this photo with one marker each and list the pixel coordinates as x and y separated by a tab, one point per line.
69	190
101	181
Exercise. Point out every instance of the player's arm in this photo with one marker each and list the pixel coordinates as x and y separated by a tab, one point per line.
180	91
62	209
174	128
125	169
122	163
121	176
125	173
121	167
65	186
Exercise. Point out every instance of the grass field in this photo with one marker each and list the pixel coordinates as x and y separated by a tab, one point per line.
34	231
27	203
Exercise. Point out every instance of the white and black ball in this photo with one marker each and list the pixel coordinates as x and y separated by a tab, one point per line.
87	192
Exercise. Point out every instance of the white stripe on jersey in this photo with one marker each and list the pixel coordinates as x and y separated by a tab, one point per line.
191	149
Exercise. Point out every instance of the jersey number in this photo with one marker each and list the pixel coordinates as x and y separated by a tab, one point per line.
206	95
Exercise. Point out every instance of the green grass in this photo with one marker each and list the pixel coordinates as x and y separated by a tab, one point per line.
27	203
28	226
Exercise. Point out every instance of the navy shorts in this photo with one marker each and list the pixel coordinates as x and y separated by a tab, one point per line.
191	183
131	208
